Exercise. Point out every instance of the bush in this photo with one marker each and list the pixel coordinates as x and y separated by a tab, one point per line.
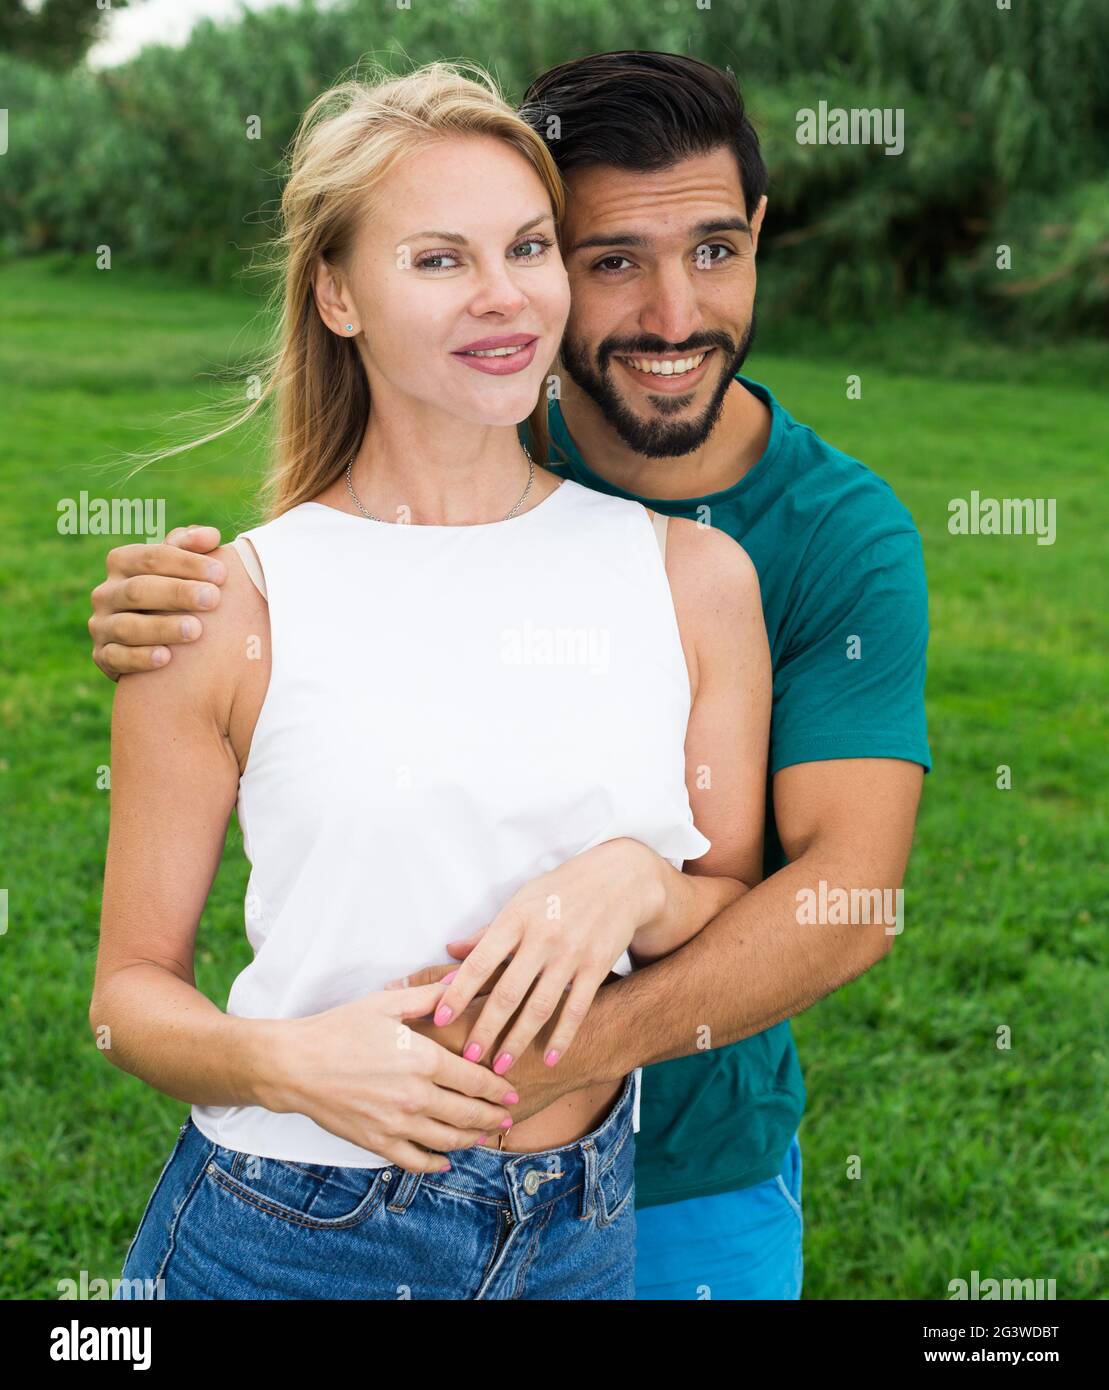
1006	113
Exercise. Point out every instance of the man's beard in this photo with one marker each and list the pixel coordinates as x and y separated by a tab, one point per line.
658	438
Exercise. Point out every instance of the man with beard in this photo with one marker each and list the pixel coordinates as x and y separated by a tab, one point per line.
666	201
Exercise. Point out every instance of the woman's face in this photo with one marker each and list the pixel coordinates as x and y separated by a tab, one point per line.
458	259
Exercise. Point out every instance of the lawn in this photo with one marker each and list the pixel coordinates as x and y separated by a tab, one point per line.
973	1156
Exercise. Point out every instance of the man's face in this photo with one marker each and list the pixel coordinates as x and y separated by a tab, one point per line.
662	281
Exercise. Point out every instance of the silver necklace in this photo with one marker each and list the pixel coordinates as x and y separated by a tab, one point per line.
370	516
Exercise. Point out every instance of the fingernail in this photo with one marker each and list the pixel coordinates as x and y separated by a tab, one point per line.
445	1168
511	1099
159	656
443	1014
472	1052
448	978
552	1057
205	596
213	570
506	1123
502	1064
190	628
483	1138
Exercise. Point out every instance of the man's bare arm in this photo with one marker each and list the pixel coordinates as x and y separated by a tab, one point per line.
847	822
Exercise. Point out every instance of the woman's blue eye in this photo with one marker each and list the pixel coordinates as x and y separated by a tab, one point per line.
529	250
427	262
540	243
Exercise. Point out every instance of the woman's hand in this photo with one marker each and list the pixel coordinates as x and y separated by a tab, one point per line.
361	1073
563	931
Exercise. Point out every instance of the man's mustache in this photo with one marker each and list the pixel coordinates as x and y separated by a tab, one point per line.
646	347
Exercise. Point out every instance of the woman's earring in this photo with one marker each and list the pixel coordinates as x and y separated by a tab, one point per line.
350	327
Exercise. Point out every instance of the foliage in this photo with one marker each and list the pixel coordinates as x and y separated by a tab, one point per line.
1006	114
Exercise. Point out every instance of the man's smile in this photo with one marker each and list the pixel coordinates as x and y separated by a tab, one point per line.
667	373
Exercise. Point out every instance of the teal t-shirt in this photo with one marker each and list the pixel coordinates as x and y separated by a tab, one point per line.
843	589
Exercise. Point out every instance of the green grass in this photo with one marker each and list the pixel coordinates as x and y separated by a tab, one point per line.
972	1157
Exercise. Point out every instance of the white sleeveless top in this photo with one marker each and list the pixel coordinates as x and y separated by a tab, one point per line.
451	711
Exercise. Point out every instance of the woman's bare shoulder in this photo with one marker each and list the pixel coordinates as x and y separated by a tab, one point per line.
708	570
204	676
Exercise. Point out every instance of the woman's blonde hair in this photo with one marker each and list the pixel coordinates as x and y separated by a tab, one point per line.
347	142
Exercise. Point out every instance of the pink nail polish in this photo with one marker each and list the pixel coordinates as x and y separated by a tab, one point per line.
552	1057
443	1014
502	1064
506	1123
511	1099
473	1052
483	1138
448	978
445	1168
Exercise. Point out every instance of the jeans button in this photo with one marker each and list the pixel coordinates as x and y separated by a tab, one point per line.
532	1179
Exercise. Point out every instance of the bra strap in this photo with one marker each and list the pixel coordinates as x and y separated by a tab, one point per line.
249	556
660	521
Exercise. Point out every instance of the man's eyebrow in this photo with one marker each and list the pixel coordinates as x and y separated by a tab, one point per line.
457	239
634	239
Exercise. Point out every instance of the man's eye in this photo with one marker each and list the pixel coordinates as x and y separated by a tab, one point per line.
704	257
606	263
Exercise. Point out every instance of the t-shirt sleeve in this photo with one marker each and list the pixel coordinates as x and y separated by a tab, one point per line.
850	682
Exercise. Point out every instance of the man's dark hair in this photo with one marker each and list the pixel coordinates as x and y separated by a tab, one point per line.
644	111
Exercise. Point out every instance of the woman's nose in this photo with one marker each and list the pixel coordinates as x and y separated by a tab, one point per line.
498	293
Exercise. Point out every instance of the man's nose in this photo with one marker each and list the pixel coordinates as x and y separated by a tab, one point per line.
671	311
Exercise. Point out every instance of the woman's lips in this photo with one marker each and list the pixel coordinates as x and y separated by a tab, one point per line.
512	355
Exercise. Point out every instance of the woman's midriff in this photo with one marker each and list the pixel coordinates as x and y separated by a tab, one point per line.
567	1119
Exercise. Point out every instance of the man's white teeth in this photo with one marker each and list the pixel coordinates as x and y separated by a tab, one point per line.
497	352
670	368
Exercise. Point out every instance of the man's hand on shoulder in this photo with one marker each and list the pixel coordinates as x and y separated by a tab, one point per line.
151	599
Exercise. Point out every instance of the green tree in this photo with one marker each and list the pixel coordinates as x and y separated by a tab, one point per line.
55	33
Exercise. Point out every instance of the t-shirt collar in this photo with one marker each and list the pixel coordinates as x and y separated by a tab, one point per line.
565	454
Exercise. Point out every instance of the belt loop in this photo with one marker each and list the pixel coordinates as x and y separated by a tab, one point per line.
405	1190
589	1179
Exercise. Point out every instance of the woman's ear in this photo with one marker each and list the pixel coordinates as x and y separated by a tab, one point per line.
331	300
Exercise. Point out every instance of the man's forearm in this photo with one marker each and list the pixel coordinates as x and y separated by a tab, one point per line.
688	902
752	966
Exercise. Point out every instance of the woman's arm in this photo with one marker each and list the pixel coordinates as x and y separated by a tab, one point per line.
719	610
175	776
179	738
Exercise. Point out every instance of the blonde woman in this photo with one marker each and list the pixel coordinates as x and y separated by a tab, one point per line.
440	687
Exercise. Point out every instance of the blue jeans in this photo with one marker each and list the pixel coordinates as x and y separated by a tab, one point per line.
555	1224
735	1245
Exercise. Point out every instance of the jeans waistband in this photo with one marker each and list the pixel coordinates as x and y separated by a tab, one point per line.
530	1182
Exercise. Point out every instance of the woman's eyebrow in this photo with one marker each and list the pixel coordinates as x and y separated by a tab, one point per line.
459	240
638	241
